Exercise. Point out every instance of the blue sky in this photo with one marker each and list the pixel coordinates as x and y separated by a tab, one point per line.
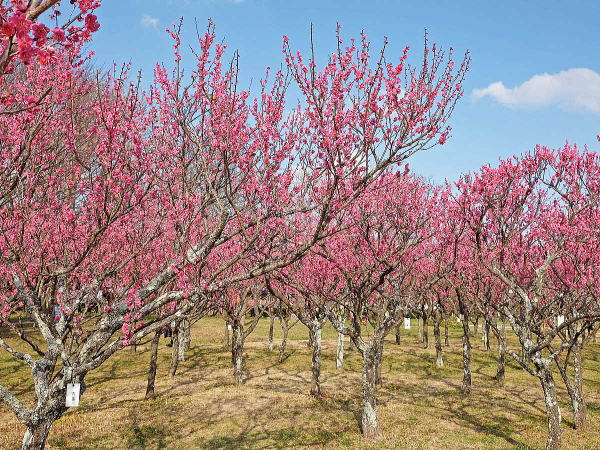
536	49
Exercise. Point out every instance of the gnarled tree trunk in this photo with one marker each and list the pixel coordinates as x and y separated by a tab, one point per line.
439	360
37	434
315	333
397	328
50	408
175	350
153	365
425	330
552	408
369	422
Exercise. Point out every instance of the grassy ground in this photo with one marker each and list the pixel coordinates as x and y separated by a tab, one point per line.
420	406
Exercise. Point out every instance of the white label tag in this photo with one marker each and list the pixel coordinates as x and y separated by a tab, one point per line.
560	320
407	323
72	395
229	328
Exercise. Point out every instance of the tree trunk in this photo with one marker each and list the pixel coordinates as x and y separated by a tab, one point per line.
446	337
369	422
486	335
339	359
501	371
315	334
577	398
379	365
153	366
184	339
397	334
271	325
36	435
310	339
284	329
425	330
466	342
237	353
476	327
419	329
552	408
351	345
175	351
439	361
41	420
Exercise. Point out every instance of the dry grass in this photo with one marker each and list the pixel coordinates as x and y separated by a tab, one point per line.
420	406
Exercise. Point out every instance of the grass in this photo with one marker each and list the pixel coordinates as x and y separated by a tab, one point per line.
420	406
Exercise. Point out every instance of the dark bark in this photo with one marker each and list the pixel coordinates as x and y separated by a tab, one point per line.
439	360
425	330
351	345
153	366
271	325
446	336
486	335
398	335
175	351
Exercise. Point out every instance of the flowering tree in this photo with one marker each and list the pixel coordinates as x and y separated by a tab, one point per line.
74	226
24	38
532	224
377	260
118	203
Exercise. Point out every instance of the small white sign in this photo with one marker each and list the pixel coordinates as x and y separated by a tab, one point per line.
560	320
459	319
407	323
229	328
72	395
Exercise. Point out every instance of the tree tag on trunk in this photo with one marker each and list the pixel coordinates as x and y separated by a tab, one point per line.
407	323
229	328
560	320
72	395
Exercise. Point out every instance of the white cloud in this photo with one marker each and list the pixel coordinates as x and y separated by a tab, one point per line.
573	89
148	21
